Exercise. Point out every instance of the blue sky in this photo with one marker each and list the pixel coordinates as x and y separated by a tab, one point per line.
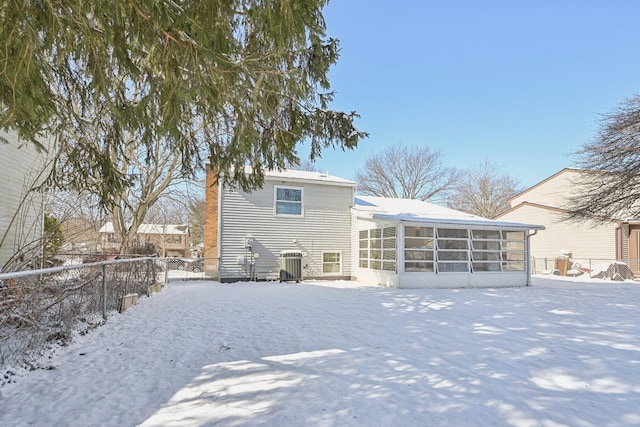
523	83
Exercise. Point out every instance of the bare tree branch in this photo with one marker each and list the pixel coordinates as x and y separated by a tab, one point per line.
408	173
483	191
610	184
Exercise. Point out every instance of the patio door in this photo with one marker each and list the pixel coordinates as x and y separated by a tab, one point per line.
634	248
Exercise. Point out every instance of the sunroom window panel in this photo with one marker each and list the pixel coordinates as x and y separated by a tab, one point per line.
486	266
388	266
389	232
513	246
513	256
485	234
418	255
418	243
486	256
485	245
513	235
389	255
453	267
513	266
418	231
452	256
452	244
452	233
418	266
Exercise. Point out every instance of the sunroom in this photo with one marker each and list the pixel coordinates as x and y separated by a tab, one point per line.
413	244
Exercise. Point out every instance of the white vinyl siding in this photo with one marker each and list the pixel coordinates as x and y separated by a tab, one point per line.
325	226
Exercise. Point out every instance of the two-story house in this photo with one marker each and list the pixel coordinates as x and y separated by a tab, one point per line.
309	212
338	235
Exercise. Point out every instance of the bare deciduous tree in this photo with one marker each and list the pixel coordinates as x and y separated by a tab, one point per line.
483	191
610	188
407	173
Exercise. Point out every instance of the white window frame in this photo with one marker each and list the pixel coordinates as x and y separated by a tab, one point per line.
332	273
275	201
429	248
443	252
377	249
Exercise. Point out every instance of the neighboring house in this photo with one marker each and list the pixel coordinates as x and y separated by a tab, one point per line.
391	242
546	203
23	170
170	240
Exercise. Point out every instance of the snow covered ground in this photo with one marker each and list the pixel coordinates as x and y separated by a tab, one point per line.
561	352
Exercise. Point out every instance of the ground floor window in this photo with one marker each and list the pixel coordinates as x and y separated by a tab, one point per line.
331	263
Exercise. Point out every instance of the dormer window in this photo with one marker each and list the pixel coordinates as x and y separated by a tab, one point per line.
288	201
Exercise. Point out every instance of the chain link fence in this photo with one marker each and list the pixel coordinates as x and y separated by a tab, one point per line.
599	268
43	308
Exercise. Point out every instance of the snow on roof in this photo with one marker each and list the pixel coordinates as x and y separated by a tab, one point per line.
151	228
410	210
307	176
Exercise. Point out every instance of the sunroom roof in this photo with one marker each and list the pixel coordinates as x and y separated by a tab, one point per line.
416	211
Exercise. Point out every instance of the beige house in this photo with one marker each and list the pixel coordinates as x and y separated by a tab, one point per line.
170	240
598	241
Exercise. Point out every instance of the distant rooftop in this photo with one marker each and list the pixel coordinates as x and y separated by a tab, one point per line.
164	229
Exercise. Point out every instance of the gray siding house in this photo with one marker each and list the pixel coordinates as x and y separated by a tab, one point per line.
338	235
296	211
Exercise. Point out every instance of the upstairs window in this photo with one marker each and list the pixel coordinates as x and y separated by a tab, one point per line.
288	201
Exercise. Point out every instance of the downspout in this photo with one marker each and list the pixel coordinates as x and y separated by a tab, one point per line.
528	257
219	236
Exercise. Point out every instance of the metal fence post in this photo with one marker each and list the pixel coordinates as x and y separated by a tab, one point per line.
104	291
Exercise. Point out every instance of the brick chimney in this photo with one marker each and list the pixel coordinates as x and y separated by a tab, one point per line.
211	220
